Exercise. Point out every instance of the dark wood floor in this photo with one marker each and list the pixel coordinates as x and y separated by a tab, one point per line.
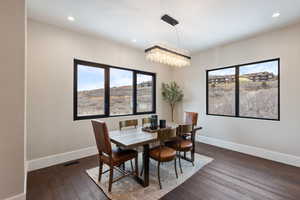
231	176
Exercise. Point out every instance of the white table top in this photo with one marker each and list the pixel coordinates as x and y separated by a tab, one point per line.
132	137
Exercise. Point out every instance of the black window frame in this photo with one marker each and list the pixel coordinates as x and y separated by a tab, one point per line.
237	90
106	68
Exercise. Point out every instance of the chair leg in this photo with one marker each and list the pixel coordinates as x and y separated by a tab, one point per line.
111	176
180	162
123	166
136	166
142	170
158	174
132	169
100	171
175	166
193	159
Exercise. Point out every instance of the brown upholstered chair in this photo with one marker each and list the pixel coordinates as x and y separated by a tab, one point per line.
181	144
191	118
146	121
128	123
111	157
163	153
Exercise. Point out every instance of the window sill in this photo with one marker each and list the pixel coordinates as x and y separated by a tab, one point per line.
76	118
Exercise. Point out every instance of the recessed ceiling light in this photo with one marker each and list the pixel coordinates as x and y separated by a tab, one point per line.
276	14
70	18
133	40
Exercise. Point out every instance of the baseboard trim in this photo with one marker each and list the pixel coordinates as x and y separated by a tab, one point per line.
18	197
60	158
254	151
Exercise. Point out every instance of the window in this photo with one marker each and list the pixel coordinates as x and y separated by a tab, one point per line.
221	94
144	93
259	90
121	92
106	91
90	92
248	90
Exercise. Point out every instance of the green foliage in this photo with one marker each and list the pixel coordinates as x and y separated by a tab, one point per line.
172	94
264	85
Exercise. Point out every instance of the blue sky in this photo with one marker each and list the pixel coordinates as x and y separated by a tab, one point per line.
261	67
120	77
229	71
90	78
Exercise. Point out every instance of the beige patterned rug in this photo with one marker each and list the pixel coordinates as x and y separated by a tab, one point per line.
128	189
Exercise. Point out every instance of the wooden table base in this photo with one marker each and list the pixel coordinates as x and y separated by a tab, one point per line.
146	160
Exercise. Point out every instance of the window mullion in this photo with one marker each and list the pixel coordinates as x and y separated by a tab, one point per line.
75	94
153	93
107	91
237	91
134	98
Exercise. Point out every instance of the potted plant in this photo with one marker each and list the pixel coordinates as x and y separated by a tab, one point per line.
172	94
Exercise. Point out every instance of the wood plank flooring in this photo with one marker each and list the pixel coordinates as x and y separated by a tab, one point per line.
231	176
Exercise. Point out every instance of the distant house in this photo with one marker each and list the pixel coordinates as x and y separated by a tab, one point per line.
261	76
222	79
145	84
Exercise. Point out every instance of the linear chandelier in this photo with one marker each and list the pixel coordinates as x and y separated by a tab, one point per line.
165	55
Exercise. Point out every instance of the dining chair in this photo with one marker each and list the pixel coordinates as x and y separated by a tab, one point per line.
182	144
191	118
111	157
133	123
162	153
146	120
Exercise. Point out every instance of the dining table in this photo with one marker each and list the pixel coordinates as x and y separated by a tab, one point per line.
134	138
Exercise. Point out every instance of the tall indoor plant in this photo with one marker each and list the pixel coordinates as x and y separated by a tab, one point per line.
172	94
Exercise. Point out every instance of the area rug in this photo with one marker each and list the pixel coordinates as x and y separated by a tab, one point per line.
128	189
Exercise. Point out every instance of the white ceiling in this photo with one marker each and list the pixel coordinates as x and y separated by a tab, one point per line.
203	23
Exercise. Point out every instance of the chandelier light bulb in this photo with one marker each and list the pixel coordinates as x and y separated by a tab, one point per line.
167	56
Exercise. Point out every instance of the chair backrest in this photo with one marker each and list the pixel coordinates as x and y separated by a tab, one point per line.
184	129
146	121
166	134
191	118
128	123
102	137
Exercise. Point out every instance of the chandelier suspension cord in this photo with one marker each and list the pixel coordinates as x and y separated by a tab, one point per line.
161	53
178	38
176	30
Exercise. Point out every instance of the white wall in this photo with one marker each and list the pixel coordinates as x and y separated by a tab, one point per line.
12	103
51	129
282	136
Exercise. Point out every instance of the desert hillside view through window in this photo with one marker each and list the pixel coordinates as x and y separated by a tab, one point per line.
258	91
222	92
144	93
121	92
91	91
